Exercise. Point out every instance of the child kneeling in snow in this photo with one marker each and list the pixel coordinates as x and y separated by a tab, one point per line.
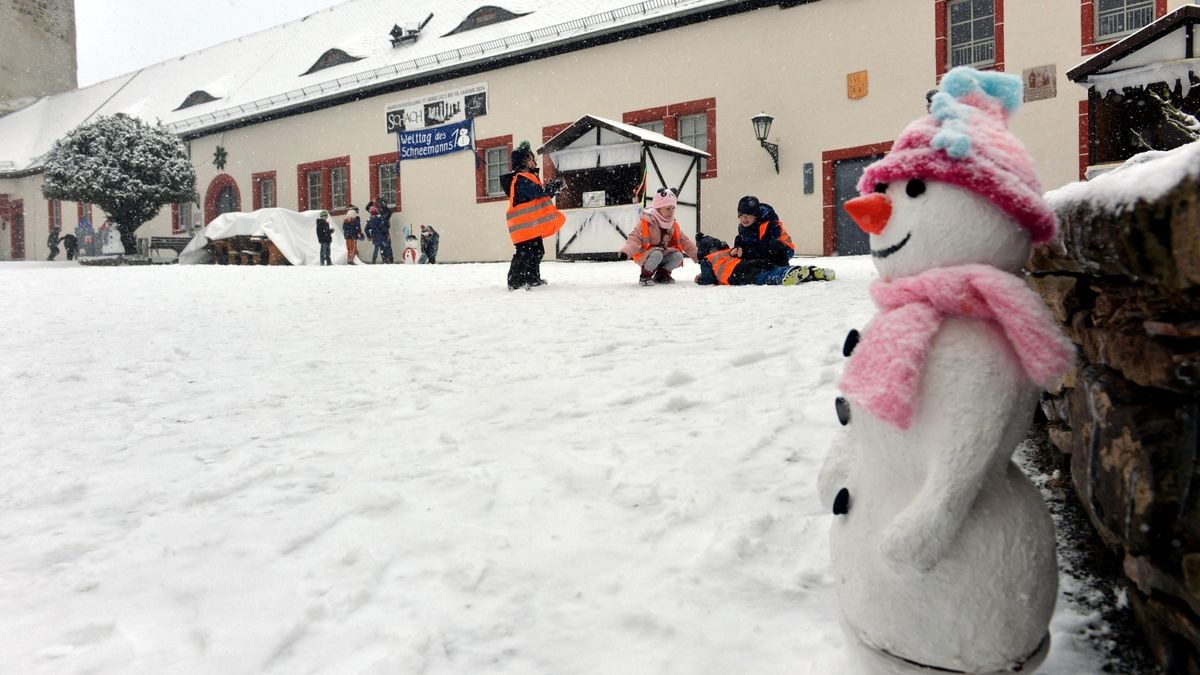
719	267
657	244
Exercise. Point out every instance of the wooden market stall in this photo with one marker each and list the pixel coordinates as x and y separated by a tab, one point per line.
1142	92
612	170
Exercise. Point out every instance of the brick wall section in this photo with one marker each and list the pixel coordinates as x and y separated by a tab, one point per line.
37	48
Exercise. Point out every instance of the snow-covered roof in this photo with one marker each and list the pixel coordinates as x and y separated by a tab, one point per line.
582	125
1160	52
263	73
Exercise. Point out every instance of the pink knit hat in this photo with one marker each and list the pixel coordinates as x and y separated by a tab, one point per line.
965	141
664	197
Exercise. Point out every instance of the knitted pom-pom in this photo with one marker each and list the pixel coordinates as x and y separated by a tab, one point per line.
1005	88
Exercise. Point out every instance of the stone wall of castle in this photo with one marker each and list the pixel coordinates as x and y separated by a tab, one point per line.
1126	289
37	50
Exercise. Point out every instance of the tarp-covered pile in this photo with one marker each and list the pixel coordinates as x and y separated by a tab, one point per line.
293	233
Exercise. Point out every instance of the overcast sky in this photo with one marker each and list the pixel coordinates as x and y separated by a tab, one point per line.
114	37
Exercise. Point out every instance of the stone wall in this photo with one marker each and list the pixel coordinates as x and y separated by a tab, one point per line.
37	50
1125	284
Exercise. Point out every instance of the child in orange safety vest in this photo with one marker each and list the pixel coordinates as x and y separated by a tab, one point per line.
761	234
532	215
719	267
656	243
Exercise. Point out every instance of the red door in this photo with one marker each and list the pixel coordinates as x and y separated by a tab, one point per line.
12	216
17	213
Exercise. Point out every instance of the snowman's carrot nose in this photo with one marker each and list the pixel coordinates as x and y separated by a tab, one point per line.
871	212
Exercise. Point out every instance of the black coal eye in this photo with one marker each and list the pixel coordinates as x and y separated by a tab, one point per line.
915	187
881	187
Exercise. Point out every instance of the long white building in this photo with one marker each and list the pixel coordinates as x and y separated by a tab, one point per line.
306	114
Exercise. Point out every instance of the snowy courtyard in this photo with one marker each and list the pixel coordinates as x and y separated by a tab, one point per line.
410	469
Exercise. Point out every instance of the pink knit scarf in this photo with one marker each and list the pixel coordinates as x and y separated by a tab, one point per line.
658	219
884	373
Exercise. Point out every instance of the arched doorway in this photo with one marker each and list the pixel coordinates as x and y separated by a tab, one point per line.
222	196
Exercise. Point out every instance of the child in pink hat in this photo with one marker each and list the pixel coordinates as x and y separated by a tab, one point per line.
657	244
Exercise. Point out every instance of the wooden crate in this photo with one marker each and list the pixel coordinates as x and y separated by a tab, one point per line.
274	255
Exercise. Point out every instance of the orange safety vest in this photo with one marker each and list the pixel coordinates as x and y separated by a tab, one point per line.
723	263
783	234
672	240
532	220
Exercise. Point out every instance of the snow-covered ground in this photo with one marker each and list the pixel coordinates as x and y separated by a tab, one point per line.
409	469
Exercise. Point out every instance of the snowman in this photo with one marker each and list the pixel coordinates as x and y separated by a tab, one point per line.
942	549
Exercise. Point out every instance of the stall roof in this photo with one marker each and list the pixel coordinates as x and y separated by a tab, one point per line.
1166	40
589	122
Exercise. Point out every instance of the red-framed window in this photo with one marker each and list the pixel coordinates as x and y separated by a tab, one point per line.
324	184
82	212
183	218
385	177
264	187
1103	22
492	157
691	122
54	213
968	32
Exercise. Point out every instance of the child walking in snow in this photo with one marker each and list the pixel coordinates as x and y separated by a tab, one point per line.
324	237
52	241
657	244
719	267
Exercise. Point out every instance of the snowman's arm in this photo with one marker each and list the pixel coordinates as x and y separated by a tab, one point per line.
835	472
969	392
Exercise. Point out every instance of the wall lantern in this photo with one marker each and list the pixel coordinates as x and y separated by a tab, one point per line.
762	126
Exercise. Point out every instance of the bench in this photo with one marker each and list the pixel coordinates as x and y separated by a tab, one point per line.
176	244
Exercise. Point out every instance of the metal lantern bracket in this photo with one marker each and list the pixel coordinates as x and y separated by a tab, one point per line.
762	127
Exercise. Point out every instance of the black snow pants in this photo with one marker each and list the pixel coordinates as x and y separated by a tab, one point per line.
526	263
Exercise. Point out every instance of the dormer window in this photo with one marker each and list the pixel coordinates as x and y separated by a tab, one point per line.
331	58
196	98
484	16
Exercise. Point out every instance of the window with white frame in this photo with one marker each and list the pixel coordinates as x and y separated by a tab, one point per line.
972	32
387	180
266	187
693	131
1117	17
313	179
337	188
55	213
656	126
495	167
186	219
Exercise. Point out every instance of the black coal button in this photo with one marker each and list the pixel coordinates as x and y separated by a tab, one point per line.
841	503
850	343
843	410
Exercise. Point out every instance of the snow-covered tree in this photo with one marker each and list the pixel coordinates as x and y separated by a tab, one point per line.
128	168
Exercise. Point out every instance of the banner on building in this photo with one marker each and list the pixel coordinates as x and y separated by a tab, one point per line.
437	109
436	141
